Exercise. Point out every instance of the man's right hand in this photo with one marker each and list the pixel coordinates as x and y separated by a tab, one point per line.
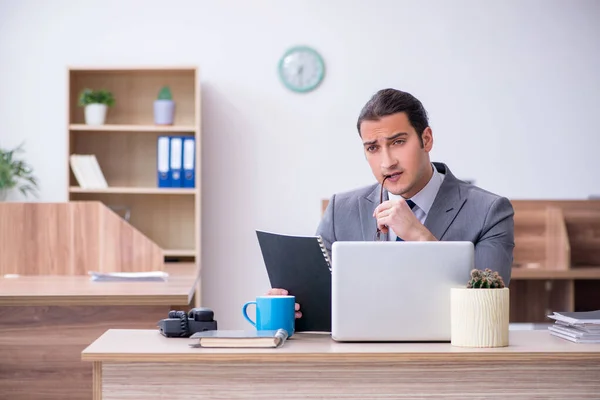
283	292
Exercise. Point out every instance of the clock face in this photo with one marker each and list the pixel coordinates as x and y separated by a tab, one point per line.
301	69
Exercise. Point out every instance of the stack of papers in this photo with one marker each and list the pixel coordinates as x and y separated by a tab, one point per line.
152	276
578	327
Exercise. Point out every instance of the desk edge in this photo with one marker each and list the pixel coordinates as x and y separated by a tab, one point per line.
337	357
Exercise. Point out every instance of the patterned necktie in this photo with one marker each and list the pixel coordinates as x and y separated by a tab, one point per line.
411	204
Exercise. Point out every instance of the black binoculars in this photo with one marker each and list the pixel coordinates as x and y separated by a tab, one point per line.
182	324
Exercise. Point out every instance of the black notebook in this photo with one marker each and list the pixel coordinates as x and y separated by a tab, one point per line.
301	265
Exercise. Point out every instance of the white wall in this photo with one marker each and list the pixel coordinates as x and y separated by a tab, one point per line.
512	88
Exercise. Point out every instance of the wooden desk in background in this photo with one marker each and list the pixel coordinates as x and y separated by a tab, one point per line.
46	321
142	364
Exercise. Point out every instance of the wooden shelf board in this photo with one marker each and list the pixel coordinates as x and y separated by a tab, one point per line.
179	253
574	273
141	68
132	128
135	190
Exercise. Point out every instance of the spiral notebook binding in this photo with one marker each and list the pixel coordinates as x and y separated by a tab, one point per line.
324	250
280	337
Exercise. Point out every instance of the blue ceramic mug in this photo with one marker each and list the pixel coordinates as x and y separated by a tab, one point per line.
272	313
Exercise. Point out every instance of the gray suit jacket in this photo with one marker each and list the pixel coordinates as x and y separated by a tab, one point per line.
460	212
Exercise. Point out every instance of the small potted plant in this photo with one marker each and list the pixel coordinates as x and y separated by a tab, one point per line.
480	312
96	103
15	174
164	107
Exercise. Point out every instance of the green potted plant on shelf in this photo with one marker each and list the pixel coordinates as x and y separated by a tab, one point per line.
164	107
15	174
480	312
96	103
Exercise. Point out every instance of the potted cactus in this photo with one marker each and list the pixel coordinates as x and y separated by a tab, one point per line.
480	312
164	107
96	103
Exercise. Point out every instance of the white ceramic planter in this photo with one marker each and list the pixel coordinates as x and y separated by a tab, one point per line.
479	317
95	114
164	112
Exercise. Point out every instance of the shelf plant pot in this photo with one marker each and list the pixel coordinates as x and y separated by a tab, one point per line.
479	317
95	114
164	107
164	112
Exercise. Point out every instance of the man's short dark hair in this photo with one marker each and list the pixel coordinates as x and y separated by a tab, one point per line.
392	101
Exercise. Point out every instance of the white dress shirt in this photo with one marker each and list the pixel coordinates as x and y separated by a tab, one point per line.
423	200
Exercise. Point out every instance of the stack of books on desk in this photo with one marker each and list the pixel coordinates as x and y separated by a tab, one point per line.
578	327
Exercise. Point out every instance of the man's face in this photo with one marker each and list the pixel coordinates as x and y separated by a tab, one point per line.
392	147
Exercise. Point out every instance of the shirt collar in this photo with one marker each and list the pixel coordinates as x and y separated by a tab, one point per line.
424	199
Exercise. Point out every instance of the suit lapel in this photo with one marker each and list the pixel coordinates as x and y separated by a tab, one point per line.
367	205
446	205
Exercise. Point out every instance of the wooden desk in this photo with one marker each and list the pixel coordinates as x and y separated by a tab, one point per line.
143	364
46	321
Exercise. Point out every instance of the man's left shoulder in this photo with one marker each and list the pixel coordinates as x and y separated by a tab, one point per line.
482	199
474	195
480	195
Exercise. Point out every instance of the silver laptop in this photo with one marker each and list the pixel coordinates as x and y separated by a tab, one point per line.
396	291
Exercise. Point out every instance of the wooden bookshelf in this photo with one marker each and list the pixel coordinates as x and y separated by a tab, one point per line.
126	150
179	253
135	190
582	273
556	258
132	128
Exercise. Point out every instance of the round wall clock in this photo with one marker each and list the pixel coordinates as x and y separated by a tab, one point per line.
301	69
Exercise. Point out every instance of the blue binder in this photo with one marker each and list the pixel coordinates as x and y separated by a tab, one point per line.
189	162
176	161
163	161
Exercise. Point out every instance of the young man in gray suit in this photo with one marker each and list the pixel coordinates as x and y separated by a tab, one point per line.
420	199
